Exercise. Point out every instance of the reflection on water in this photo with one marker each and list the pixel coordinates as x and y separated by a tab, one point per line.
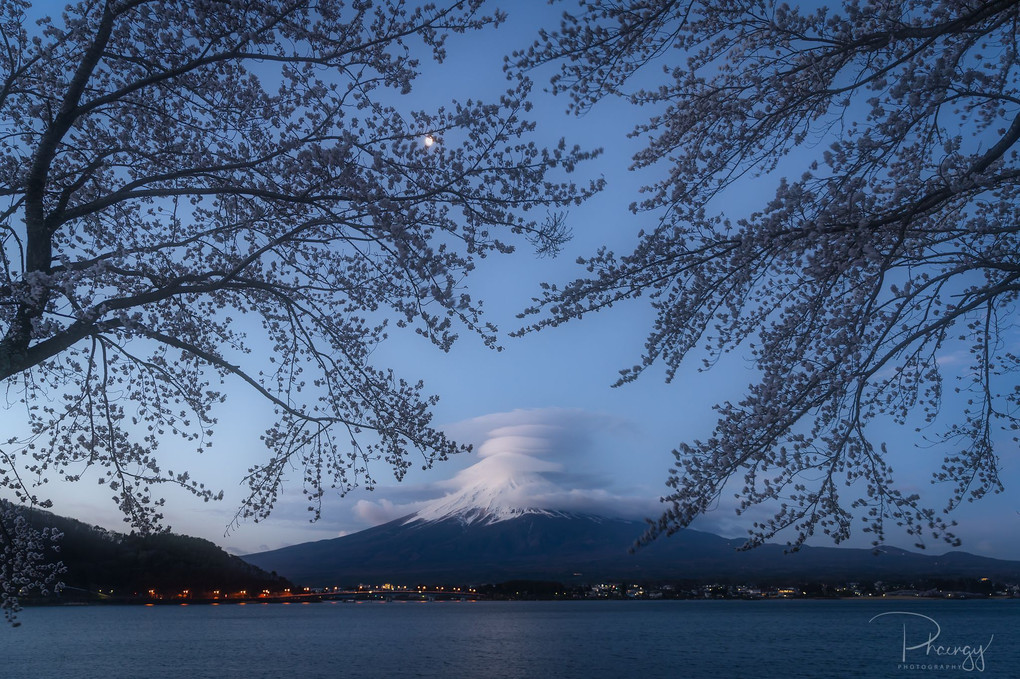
508	639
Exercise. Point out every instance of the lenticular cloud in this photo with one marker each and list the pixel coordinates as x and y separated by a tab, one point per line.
529	461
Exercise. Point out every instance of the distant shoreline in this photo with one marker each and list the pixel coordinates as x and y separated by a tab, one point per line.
43	603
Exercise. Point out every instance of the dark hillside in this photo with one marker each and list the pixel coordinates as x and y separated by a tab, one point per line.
98	560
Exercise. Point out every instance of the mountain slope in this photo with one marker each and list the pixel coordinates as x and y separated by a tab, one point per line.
474	547
100	560
490	530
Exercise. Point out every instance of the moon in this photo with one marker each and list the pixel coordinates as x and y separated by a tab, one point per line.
429	141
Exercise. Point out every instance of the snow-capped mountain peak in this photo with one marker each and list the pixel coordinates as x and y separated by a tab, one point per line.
487	502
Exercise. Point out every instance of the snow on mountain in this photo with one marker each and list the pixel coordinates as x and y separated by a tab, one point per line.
525	463
497	489
478	505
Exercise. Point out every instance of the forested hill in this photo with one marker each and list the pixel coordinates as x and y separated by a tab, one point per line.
100	563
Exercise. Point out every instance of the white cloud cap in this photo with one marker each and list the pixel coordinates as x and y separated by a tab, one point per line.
545	460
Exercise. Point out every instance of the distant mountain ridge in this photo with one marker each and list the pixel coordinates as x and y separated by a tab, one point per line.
474	547
490	530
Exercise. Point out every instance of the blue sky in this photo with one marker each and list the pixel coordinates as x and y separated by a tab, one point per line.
548	392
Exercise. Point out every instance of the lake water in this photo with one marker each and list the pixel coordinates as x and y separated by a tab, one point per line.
553	640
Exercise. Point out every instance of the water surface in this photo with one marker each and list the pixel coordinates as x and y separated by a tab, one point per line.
518	639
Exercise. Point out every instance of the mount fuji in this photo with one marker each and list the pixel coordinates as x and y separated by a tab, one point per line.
494	532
